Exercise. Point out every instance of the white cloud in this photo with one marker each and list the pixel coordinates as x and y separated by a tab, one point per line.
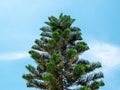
13	56
107	54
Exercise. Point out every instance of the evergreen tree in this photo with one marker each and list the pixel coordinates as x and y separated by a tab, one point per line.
56	54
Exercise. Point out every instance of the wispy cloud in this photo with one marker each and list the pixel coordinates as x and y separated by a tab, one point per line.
107	54
13	56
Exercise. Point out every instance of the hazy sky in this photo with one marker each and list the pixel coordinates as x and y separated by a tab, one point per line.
20	21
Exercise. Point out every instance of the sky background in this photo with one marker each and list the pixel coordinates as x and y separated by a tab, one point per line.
20	21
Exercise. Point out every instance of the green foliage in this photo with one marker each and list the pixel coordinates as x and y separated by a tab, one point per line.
75	35
66	33
56	35
56	58
50	66
64	21
48	77
56	54
85	88
34	54
51	41
81	47
28	76
71	53
51	81
79	70
96	84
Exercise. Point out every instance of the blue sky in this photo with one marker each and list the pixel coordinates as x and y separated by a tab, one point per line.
20	21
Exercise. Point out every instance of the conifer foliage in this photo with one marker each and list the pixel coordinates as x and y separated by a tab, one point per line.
56	54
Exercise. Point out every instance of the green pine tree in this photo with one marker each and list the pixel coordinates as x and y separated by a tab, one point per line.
56	54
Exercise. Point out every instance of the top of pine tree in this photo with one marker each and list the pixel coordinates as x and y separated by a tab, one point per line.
56	54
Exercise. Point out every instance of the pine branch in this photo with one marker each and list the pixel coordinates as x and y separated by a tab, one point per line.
85	80
36	84
46	29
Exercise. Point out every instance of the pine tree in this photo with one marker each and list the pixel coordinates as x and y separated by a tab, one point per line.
56	54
